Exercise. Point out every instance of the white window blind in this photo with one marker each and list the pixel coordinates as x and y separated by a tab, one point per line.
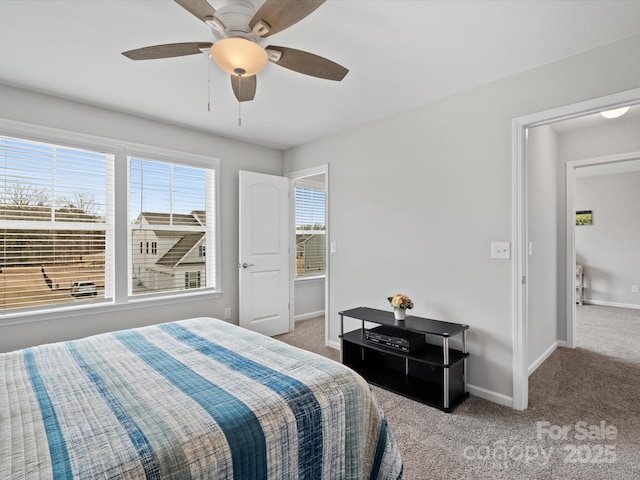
310	231
55	224
168	206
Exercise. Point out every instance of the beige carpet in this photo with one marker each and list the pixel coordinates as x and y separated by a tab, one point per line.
597	383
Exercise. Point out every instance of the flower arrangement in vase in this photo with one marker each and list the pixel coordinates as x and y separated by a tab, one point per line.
400	303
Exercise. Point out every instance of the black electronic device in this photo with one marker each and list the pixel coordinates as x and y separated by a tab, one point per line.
399	339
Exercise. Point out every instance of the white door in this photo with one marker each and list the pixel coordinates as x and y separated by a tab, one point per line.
264	253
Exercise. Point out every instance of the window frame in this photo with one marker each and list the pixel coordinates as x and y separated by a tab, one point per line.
303	183
117	258
177	158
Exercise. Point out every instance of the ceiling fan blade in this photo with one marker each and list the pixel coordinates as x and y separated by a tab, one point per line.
307	63
281	14
198	8
167	51
244	87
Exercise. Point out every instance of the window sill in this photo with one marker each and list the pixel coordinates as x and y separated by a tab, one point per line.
108	306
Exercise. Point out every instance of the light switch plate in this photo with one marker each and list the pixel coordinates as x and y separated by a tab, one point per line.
501	250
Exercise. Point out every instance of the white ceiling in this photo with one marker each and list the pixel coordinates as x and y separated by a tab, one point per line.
401	54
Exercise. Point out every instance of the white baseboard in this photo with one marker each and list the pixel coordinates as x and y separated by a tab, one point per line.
335	345
490	395
307	316
547	353
611	304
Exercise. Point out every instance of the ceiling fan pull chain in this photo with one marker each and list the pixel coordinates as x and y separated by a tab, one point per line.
209	85
239	102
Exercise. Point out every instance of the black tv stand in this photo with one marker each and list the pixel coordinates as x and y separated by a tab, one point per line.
434	375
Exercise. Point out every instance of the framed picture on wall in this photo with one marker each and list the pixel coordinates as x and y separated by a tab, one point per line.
584	217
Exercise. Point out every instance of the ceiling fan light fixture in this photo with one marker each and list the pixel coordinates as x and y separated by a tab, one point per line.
615	113
239	54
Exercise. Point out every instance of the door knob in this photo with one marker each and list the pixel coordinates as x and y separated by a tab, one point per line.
247	265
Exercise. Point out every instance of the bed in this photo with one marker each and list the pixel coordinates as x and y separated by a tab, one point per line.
196	398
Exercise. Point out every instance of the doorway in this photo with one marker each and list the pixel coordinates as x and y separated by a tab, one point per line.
309	198
589	168
520	272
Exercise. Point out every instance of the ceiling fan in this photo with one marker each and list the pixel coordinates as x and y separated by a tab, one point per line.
239	32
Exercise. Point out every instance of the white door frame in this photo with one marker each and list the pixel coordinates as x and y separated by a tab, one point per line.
520	395
307	172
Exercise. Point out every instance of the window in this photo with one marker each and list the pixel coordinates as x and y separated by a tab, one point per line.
168	209
59	212
202	252
55	223
310	200
192	279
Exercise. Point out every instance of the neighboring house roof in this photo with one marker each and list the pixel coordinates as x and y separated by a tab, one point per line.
180	250
176	254
201	216
179	219
165	219
302	239
166	233
44	213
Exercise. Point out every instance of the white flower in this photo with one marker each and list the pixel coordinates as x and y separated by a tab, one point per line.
401	301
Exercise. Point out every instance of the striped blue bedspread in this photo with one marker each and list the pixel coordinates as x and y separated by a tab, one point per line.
198	398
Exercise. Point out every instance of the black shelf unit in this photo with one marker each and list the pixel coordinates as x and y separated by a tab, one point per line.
434	375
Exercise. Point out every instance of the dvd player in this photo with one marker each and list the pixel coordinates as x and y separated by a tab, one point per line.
396	338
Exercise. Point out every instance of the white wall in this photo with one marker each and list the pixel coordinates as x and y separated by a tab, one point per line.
608	249
309	298
436	185
24	106
542	271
